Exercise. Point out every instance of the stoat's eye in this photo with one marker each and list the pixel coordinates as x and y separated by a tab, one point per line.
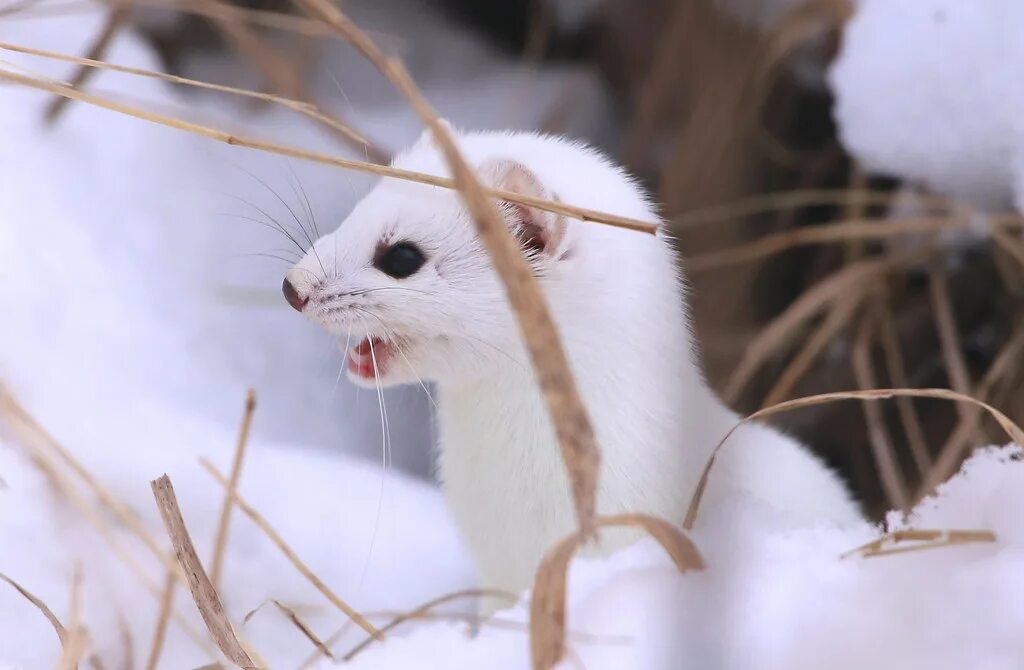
400	260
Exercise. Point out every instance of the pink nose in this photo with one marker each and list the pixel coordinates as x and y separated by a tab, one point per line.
292	296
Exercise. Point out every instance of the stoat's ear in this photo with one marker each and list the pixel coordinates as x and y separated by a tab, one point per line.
538	230
427	136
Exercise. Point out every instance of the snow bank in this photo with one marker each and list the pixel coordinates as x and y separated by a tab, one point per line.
777	595
929	90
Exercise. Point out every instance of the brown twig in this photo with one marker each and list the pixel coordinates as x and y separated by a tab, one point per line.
116	17
289	553
547	605
1014	431
203	593
220	539
162	619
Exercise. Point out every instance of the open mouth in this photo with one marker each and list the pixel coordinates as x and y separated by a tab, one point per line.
370	358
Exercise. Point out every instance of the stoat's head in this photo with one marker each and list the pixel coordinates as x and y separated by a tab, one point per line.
406	283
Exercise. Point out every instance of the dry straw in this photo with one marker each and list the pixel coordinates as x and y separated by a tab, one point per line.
1014	431
547	607
203	592
289	553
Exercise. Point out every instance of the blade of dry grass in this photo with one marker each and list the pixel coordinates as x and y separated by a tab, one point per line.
115	18
938	538
949	337
581	213
898	376
13	410
203	593
421	610
569	417
547	605
796	199
784	327
842	231
1011	245
220	539
305	108
76	641
289	553
951	452
162	620
886	463
35	439
1014	431
294	618
838	318
58	627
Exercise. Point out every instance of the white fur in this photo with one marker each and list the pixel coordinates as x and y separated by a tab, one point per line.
617	299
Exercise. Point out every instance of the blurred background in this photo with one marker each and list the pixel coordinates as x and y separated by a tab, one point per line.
841	177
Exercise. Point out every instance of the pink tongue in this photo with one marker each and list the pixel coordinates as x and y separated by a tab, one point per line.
364	348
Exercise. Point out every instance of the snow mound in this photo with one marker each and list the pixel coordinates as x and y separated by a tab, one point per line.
778	596
929	91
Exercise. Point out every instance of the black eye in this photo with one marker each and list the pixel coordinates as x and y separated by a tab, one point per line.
399	260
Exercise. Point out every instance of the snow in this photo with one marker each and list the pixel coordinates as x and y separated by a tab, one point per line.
125	333
777	595
929	91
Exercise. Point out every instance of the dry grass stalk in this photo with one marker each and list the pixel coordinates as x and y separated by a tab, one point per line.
893	482
422	610
547	605
801	23
13	410
582	213
203	593
322	648
949	338
1011	245
305	108
951	453
931	539
898	376
795	199
76	641
118	13
1014	431
783	328
162	620
58	627
829	232
220	539
569	417
289	553
35	439
838	318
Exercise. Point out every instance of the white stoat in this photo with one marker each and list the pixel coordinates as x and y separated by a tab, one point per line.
406	277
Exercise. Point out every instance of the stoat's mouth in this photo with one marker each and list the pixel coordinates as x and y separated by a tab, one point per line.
371	357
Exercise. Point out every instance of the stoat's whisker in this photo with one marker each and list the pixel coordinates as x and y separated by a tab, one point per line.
385	457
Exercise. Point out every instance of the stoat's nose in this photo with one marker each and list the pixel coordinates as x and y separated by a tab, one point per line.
292	296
